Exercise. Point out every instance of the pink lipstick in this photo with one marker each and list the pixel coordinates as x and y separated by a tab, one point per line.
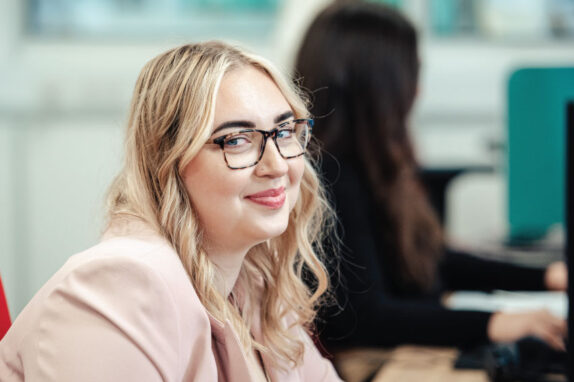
273	198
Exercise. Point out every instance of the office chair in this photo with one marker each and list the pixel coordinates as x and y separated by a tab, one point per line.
5	321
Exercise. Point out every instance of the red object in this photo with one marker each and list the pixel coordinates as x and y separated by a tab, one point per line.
5	321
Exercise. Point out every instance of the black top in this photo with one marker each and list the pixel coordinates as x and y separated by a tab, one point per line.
375	309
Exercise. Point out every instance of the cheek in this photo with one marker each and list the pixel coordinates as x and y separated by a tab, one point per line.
297	167
209	185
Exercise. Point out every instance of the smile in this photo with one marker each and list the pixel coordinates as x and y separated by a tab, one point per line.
273	198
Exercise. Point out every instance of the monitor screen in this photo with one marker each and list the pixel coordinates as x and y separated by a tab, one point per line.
536	123
570	228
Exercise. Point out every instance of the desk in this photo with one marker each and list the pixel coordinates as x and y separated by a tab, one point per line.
405	363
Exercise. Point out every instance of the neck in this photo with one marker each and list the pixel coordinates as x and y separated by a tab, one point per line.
228	263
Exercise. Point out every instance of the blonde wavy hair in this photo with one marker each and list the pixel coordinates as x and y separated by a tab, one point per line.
170	119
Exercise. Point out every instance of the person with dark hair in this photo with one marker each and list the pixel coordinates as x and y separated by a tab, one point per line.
360	61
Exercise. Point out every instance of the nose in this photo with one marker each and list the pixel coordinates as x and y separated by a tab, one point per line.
272	164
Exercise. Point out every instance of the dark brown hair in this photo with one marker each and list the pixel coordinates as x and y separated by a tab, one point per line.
360	60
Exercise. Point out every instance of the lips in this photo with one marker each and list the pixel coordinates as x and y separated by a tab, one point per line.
273	198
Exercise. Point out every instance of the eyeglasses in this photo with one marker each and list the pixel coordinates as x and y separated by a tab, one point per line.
244	148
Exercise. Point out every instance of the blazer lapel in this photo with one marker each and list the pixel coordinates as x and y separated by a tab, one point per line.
274	374
229	354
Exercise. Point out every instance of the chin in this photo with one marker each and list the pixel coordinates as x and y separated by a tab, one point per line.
272	225
271	231
275	233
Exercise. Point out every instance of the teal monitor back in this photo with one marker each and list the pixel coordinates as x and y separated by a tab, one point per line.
537	99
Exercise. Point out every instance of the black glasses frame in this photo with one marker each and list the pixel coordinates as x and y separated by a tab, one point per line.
266	134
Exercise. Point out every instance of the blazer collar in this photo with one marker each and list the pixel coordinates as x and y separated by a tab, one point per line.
230	353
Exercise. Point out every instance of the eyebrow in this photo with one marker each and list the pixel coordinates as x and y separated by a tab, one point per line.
248	124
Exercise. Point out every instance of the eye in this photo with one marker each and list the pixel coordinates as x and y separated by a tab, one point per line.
236	140
285	133
239	142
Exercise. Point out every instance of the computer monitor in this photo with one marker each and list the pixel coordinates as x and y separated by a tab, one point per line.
569	220
536	166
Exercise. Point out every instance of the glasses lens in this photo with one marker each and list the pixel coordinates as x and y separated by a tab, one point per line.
242	148
292	139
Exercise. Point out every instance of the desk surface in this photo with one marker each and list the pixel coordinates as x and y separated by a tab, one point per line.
404	364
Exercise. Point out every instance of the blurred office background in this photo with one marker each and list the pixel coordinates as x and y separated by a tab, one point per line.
67	68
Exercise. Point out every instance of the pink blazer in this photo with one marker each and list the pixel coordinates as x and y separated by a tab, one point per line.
125	310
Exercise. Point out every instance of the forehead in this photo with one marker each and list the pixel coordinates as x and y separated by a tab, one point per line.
249	93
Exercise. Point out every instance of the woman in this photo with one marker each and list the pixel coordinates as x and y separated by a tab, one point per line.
361	61
212	219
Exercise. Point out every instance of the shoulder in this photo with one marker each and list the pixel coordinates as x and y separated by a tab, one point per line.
132	258
134	279
118	263
124	271
127	298
121	291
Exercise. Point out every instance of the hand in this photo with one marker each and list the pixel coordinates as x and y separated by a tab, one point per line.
508	327
556	276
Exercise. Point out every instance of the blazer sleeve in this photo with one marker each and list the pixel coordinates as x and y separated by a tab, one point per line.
461	270
107	320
